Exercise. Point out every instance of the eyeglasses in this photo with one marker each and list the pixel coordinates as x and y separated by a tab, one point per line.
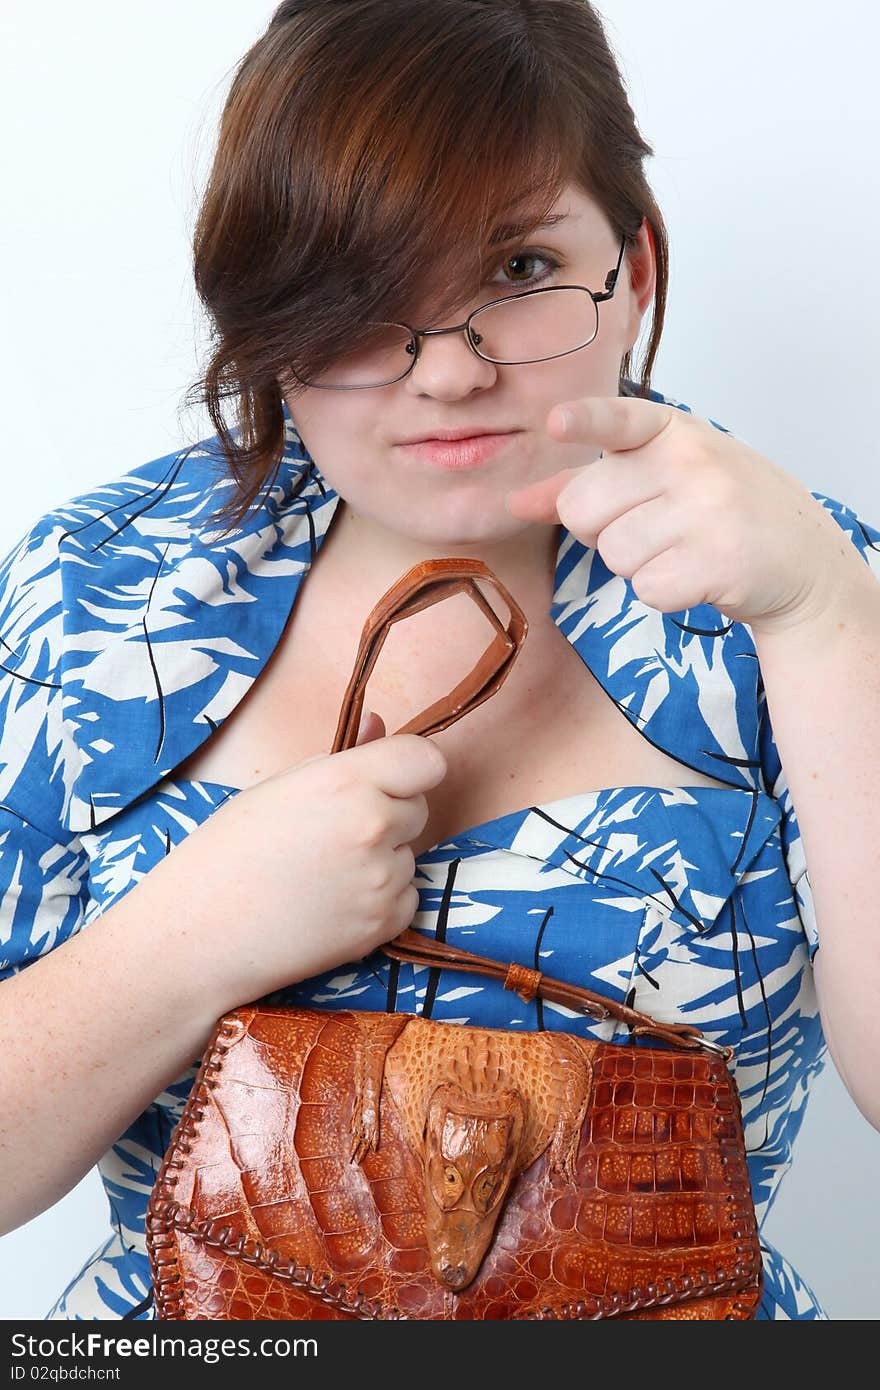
549	322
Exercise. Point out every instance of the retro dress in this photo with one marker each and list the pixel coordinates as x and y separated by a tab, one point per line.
130	632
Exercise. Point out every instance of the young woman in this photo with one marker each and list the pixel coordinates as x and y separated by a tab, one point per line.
427	221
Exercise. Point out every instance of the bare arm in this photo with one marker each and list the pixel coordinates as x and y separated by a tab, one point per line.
822	679
91	1033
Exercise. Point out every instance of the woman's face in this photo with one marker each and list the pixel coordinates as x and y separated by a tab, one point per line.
355	436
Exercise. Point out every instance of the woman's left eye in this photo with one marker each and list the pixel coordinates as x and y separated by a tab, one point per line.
523	257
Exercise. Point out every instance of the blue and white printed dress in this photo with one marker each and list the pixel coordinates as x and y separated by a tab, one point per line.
129	632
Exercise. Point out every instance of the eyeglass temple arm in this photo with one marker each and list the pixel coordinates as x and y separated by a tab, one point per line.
611	277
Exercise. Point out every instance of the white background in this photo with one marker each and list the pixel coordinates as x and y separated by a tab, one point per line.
764	121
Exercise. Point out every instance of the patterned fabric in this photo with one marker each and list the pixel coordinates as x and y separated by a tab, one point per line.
130	631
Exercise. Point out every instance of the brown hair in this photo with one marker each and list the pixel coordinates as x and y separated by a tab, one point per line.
367	150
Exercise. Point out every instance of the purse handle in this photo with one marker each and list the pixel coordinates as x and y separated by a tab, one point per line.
420	949
427	583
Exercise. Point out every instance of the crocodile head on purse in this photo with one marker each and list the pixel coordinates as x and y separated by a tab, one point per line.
478	1107
472	1154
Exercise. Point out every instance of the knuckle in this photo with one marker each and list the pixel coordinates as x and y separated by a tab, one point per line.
376	922
618	411
372	829
379	879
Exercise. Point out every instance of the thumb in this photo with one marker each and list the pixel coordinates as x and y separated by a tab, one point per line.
372	726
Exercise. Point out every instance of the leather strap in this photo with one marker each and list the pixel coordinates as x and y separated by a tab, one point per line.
419	949
427	583
424	584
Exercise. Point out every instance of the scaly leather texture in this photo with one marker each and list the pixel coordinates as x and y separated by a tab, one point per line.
305	1179
366	1165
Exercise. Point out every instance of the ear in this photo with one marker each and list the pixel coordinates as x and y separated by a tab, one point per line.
641	266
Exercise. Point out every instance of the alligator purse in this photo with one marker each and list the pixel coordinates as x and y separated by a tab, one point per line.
346	1164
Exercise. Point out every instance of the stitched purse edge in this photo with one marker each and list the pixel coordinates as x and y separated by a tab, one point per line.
164	1265
171	1216
165	1216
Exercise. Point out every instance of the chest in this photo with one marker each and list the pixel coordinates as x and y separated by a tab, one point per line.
550	731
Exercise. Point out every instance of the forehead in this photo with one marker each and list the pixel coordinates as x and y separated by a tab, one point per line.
574	212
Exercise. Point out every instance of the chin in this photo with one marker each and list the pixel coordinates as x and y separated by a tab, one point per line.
475	533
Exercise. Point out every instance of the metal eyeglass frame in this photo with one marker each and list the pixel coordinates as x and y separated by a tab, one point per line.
419	333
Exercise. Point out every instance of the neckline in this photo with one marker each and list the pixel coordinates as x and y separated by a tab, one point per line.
472	833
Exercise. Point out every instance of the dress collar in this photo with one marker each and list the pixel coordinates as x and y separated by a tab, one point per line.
167	625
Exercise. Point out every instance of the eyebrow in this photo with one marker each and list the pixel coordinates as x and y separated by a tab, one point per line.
511	231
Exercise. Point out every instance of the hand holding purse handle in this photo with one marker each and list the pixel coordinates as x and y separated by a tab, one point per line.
425	584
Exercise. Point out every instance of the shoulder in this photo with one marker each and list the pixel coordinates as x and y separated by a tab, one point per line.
171	487
138	623
81	567
73	539
124	522
170	494
29	594
32	643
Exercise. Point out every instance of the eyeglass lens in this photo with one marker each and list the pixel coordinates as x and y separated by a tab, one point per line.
526	329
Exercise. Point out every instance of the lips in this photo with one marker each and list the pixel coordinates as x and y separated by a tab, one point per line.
446	436
469	452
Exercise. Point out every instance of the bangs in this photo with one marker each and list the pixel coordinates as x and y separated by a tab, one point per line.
400	190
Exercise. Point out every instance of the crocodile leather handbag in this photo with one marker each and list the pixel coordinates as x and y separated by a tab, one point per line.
346	1164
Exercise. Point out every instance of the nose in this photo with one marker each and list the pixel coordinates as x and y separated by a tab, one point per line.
455	1276
447	367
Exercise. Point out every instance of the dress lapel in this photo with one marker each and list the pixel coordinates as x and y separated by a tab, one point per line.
167	624
687	681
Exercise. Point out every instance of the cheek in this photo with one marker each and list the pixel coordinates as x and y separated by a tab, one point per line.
596	374
593	372
333	432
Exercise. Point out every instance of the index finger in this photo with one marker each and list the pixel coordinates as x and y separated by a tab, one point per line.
617	423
